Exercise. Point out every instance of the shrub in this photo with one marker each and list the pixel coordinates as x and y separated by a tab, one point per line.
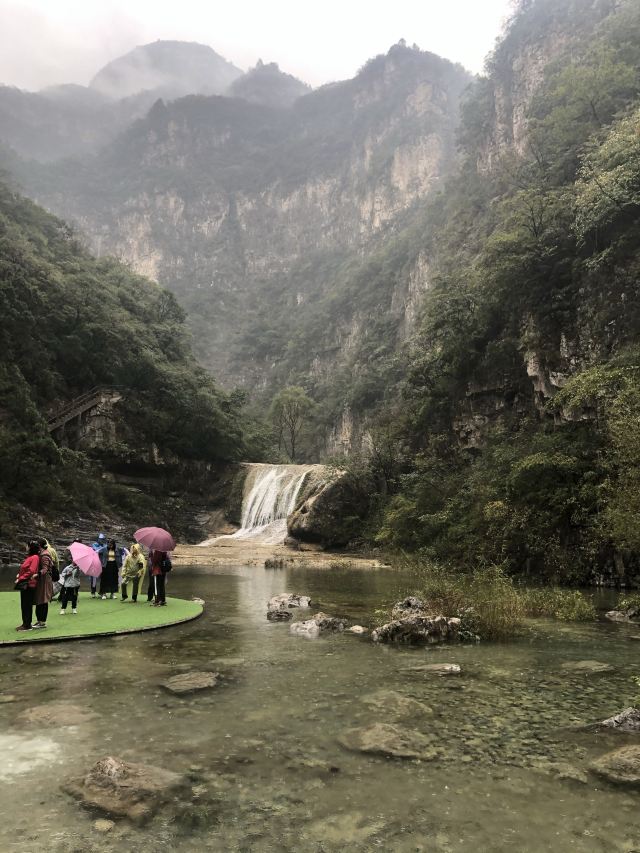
485	599
570	605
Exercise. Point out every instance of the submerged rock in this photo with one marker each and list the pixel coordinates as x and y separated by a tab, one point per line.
391	741
440	669
321	623
626	721
418	629
357	629
279	615
587	667
622	766
120	789
190	682
391	703
57	714
103	825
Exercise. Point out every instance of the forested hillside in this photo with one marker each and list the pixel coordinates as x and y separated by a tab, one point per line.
69	323
521	411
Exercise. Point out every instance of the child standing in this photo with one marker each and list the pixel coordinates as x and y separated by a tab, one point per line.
70	580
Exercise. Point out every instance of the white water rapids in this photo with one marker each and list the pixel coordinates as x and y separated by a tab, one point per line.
270	494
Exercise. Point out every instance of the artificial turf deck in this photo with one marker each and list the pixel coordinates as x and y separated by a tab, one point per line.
94	618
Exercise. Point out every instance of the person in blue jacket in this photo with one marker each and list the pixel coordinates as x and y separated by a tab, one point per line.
100	547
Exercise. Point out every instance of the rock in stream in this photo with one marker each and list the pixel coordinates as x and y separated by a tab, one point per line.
119	789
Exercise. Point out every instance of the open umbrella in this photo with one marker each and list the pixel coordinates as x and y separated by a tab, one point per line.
155	538
86	559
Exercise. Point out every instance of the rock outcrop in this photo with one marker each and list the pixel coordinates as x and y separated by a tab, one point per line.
321	623
418	629
626	721
329	512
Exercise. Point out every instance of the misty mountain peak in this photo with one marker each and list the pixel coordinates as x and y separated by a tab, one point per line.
172	68
266	84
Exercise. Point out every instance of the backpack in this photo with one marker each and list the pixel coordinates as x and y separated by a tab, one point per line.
55	574
166	565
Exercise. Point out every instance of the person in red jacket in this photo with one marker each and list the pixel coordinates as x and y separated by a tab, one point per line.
28	579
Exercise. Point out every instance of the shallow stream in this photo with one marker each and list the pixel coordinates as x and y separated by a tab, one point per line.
262	749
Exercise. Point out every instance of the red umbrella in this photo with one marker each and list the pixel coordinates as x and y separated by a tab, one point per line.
86	559
155	538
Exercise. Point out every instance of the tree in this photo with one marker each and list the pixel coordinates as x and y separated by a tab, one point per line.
289	412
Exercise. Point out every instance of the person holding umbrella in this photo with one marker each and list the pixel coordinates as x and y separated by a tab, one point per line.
70	580
159	542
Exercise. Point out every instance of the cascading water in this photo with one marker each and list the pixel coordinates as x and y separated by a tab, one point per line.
270	494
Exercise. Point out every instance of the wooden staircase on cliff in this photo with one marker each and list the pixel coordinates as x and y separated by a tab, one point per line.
92	399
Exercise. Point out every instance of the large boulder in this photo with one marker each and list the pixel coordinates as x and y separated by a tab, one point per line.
120	789
622	615
321	623
622	766
391	741
418	629
330	511
287	601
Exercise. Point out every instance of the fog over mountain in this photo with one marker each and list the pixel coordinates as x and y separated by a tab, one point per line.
44	42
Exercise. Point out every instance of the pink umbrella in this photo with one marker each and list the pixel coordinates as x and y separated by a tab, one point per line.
86	559
156	538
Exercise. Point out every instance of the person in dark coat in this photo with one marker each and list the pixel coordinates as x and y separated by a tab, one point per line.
157	561
44	589
111	566
28	578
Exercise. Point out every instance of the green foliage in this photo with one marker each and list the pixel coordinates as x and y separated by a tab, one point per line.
567	605
71	323
290	412
535	268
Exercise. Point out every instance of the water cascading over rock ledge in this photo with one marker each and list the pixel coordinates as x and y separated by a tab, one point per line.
269	496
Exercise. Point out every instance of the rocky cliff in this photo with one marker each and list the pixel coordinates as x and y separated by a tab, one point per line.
251	214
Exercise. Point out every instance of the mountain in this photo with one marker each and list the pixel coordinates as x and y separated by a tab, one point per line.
266	84
252	216
169	68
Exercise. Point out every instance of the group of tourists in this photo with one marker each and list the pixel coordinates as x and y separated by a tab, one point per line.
40	579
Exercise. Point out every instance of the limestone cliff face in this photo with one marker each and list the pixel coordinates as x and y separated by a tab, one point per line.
248	213
539	35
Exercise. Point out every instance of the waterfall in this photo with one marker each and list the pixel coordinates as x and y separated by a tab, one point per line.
270	494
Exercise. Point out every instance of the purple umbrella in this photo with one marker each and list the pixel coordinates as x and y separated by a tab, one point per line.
86	559
155	538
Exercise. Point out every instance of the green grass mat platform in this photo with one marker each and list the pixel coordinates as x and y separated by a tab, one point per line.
94	618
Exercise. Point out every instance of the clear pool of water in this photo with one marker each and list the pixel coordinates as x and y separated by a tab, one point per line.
262	749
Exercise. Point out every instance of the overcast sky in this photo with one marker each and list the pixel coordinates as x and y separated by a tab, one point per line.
43	42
